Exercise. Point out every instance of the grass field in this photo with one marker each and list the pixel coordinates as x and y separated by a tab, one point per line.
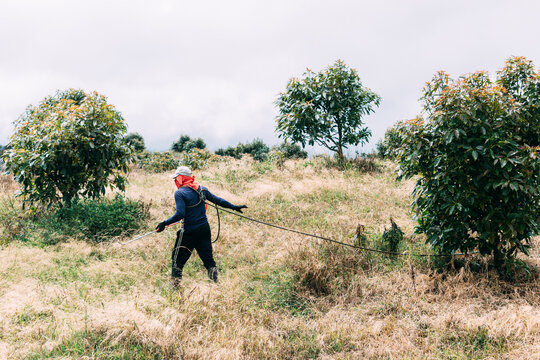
280	295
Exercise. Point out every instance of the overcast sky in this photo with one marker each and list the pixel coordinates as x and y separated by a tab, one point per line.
214	68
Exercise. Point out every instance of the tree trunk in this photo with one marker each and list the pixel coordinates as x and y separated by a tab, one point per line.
340	156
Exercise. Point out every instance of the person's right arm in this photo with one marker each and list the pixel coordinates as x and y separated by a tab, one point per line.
178	215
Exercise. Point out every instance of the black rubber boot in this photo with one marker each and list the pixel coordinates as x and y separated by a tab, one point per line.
212	274
176	277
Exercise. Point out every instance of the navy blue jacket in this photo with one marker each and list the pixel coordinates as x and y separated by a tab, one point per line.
195	216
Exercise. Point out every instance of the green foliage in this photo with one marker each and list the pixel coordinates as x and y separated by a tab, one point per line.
136	141
157	161
395	138
100	219
326	108
477	158
257	148
11	220
290	150
277	291
471	344
186	143
2	149
392	237
70	145
197	158
89	219
98	344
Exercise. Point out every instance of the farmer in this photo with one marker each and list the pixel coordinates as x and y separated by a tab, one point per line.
190	206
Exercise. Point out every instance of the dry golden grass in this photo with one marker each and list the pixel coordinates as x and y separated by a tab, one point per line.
279	296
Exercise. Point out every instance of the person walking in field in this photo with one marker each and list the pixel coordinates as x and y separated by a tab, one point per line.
190	200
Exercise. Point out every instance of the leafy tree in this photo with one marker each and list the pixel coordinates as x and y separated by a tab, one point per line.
257	148
136	141
186	143
477	158
326	108
395	138
70	145
290	150
2	148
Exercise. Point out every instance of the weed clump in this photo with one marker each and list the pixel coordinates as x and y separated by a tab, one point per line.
97	344
392	237
99	219
94	220
327	269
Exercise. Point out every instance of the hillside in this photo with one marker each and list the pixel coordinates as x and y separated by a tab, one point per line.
280	295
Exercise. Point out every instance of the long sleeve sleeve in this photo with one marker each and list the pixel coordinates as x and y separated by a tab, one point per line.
180	209
217	200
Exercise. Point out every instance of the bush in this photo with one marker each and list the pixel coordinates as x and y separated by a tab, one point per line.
477	155
392	237
197	158
11	220
157	161
257	149
136	141
290	150
70	145
395	137
2	149
100	219
185	143
88	219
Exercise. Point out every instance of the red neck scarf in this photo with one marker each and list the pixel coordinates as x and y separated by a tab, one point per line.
189	181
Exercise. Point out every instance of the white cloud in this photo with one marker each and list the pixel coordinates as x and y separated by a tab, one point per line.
214	68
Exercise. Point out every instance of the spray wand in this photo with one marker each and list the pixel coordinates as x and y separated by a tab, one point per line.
144	235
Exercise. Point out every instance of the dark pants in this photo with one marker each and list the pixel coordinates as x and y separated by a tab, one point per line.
199	239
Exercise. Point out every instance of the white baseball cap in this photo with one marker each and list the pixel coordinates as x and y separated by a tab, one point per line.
182	170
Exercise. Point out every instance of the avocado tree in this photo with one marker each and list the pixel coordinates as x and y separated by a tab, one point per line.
186	143
136	141
396	137
326	108
70	145
477	158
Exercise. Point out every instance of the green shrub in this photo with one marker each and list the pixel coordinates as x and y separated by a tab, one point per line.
98	344
12	219
2	149
186	143
70	145
392	237
290	150
257	149
136	141
157	161
98	220
394	141
477	158
88	219
197	158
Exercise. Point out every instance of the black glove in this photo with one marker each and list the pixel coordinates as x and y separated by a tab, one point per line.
239	208
160	227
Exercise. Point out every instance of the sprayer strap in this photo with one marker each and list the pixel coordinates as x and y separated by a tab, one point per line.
200	194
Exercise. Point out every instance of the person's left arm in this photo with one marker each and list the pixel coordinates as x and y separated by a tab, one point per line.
178	215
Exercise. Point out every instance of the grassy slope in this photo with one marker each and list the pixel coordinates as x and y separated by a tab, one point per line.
280	295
